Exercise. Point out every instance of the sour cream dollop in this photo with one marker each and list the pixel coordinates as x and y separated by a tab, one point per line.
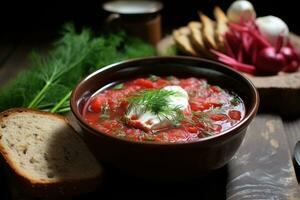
150	121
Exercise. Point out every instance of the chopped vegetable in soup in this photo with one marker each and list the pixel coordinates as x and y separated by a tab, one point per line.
164	109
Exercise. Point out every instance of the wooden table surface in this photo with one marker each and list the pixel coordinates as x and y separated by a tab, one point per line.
261	169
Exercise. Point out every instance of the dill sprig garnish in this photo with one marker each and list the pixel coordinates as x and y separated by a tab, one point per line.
203	117
118	86
156	101
235	101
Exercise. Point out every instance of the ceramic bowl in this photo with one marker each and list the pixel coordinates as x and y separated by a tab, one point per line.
166	160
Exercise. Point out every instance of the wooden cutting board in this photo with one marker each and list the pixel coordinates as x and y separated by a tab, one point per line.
280	93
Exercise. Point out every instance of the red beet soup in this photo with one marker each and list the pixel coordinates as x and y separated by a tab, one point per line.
163	109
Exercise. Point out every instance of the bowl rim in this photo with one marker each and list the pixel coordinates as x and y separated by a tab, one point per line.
234	129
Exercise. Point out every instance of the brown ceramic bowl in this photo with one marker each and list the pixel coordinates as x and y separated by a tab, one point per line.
166	160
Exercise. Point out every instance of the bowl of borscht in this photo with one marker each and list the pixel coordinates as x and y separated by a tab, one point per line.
164	117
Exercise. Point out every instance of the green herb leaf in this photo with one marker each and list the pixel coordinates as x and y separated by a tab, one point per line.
153	78
118	86
203	118
104	116
170	78
104	112
235	101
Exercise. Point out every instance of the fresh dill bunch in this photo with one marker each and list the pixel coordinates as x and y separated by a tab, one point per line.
62	68
51	78
48	83
156	101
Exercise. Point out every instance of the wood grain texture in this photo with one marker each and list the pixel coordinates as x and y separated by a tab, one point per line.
262	168
17	56
17	62
6	50
292	130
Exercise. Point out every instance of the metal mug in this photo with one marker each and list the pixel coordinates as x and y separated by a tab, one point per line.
139	18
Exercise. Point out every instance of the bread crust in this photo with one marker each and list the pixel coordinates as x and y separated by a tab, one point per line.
34	187
221	27
197	39
182	39
208	31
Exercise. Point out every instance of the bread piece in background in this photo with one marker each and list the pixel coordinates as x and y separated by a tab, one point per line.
46	155
196	35
197	38
208	31
182	31
221	27
182	40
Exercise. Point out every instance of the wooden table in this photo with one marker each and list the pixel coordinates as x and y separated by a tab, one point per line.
261	169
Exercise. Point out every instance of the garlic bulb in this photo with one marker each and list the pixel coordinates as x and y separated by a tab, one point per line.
271	27
241	10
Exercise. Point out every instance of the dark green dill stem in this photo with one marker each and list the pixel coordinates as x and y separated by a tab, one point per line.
61	102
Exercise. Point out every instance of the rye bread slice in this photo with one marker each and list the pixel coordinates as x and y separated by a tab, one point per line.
46	154
182	40
221	27
208	31
197	39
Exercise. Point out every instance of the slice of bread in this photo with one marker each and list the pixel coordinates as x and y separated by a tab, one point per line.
182	40
46	154
197	39
221	27
208	31
196	35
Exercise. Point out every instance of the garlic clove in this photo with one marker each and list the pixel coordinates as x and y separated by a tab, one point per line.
241	11
271	28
